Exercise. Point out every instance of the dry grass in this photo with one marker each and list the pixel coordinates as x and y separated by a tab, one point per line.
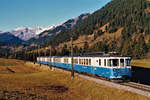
141	63
104	27
36	83
108	36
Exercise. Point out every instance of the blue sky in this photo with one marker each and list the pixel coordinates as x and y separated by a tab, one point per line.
31	13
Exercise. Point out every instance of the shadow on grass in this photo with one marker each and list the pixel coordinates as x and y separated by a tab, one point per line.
53	88
140	75
17	95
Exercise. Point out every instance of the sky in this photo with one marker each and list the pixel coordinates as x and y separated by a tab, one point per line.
32	13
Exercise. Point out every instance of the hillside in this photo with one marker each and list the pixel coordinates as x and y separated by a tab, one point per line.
122	26
8	44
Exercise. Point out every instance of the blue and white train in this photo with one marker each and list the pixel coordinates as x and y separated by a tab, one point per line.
110	67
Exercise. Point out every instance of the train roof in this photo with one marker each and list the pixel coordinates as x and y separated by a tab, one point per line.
101	54
97	55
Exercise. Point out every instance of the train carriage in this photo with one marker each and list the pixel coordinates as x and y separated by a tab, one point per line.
111	67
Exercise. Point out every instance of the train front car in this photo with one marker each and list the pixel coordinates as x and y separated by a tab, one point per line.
115	68
120	68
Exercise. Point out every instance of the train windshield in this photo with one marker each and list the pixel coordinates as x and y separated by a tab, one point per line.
122	62
113	62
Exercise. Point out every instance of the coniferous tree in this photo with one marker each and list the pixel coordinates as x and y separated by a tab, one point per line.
85	47
64	51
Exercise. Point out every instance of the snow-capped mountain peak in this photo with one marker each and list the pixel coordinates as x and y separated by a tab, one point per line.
22	28
25	33
40	29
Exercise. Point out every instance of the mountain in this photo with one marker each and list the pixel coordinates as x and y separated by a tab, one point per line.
25	33
121	25
46	35
1	31
8	39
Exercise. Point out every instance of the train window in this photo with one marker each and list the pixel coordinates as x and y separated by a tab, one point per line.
104	62
115	62
128	61
109	62
54	59
79	61
65	60
99	62
57	59
122	62
89	61
49	60
76	61
84	61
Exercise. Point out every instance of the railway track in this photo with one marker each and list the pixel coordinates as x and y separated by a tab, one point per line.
137	85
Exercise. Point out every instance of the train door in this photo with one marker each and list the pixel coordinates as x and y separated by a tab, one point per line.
95	64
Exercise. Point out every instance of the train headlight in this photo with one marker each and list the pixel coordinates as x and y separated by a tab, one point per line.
114	69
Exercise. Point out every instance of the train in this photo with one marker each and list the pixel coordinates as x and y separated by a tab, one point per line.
112	67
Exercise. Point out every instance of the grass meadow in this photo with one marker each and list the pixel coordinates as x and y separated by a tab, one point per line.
141	63
24	81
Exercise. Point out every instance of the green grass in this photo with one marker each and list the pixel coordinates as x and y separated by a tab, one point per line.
32	82
141	63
